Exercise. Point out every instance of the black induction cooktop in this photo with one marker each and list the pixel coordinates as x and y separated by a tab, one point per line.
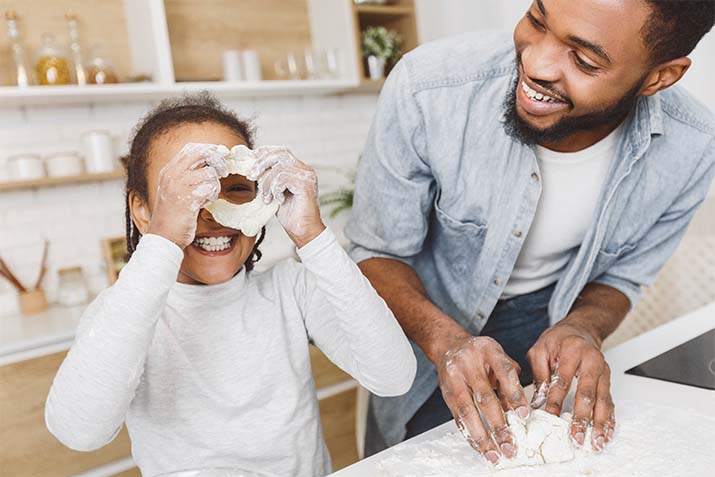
692	363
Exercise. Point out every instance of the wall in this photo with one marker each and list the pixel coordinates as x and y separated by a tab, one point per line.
327	132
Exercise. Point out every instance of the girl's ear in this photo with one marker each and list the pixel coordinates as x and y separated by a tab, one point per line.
141	216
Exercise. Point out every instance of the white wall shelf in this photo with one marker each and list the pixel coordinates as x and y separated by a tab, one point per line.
331	25
112	93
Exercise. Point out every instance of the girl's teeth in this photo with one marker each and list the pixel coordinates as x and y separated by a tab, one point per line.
213	244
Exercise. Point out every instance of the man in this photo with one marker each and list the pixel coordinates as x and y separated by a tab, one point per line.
513	199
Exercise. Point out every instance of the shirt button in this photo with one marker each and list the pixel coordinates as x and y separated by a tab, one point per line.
534	177
517	233
497	282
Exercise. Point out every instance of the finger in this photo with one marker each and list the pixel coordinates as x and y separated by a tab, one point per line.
466	416
506	372
200	176
267	157
266	182
538	358
560	382
488	403
589	373
603	413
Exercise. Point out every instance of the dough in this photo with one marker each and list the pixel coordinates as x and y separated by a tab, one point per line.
542	439
249	218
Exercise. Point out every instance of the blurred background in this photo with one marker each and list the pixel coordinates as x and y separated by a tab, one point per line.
76	75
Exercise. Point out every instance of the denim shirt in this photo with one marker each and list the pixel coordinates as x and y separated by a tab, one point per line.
443	188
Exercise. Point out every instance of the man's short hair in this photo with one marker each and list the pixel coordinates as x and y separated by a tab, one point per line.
676	26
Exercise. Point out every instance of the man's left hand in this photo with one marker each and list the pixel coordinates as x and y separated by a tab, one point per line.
564	351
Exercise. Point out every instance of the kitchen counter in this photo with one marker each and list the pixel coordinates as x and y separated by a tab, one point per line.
623	386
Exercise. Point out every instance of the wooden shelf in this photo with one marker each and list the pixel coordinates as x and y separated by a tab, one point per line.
51	181
368	86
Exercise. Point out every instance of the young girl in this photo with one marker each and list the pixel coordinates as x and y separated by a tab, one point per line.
206	360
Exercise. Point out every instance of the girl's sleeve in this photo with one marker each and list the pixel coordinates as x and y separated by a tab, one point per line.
350	323
97	381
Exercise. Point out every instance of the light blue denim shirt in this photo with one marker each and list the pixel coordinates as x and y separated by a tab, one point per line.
443	188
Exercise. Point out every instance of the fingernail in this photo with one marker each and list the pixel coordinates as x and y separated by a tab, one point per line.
610	433
522	412
492	457
578	438
508	450
599	443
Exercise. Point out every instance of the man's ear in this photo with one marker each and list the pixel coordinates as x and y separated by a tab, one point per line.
665	75
139	210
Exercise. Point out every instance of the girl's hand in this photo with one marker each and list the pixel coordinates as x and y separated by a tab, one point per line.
295	186
187	183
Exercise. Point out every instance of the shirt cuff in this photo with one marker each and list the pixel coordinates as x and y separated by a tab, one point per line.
156	260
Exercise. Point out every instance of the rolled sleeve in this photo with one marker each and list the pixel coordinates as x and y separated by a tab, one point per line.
640	266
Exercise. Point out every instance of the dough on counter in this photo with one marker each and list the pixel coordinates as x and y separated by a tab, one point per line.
541	439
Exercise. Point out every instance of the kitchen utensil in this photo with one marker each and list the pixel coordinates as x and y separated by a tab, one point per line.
23	75
32	302
251	65
25	167
98	152
231	64
71	289
52	66
63	164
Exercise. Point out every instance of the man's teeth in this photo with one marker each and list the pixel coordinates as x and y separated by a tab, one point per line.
213	244
535	95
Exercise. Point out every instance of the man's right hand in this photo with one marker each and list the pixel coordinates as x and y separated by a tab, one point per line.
475	374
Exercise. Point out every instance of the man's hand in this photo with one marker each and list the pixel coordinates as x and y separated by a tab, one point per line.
470	371
565	351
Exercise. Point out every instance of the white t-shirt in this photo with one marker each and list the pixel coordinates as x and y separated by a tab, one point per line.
220	375
571	186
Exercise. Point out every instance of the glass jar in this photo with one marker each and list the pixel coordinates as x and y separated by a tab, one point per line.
71	289
100	69
52	67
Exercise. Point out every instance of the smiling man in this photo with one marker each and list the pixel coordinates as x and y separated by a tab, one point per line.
514	197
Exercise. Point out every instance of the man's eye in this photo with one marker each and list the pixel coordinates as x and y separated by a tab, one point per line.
584	65
537	24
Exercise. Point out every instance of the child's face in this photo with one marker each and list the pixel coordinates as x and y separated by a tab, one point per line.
201	266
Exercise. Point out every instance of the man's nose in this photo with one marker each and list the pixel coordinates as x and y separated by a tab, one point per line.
542	61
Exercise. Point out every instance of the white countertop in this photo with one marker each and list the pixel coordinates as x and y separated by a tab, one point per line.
623	386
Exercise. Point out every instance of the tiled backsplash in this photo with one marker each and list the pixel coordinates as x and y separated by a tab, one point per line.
327	132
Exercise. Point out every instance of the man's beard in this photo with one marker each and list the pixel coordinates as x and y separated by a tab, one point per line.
520	130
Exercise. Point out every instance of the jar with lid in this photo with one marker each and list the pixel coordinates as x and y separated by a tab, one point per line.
52	67
100	69
71	289
25	167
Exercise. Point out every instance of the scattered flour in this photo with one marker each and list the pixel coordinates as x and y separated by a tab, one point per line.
650	441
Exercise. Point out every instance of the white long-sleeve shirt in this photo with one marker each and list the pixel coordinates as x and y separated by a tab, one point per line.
220	375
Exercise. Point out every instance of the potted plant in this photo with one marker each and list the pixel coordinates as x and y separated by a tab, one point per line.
380	45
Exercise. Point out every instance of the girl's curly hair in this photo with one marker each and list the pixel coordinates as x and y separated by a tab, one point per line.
169	114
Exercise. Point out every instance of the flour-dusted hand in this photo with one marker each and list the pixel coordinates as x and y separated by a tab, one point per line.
186	184
477	377
563	352
295	186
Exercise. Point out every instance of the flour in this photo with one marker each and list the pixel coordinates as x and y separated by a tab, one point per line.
650	440
542	439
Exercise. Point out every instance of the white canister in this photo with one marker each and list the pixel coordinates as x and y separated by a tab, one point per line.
251	65
25	167
63	164
98	152
231	63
